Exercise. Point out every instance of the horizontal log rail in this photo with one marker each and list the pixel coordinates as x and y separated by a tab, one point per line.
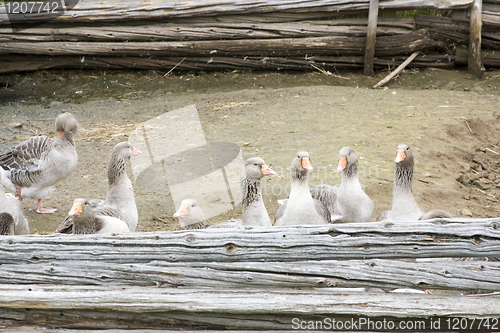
333	45
105	11
151	307
446	274
424	239
215	31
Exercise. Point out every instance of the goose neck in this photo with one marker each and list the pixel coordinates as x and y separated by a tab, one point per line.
403	178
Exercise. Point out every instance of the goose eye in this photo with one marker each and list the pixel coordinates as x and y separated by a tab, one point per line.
407	148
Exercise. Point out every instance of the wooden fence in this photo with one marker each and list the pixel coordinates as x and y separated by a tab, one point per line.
269	34
256	278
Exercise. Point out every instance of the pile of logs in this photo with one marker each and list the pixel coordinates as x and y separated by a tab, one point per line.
255	278
232	34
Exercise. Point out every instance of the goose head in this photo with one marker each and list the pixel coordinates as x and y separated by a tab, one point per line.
256	168
83	217
124	151
301	162
189	212
404	156
66	124
347	159
81	209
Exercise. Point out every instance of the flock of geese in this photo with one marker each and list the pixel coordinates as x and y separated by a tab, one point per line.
33	167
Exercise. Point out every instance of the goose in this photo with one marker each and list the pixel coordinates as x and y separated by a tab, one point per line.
190	215
254	212
404	206
347	200
301	208
120	200
85	222
33	167
12	220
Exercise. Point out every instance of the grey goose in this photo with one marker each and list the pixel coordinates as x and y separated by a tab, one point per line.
301	208
33	167
254	212
347	200
86	222
404	206
120	200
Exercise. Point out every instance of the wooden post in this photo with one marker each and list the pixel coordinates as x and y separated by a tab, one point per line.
475	65
370	37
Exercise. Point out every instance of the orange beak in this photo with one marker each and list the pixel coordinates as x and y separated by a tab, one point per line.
182	212
137	151
265	170
60	133
400	156
306	163
76	210
342	163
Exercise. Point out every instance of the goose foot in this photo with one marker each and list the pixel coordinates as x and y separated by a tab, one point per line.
41	210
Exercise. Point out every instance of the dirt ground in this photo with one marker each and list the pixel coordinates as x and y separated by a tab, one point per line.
449	119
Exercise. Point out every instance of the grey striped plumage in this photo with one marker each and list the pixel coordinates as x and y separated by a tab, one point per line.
6	224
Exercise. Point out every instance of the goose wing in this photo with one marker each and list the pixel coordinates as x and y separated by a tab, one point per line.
66	226
6	224
23	161
322	210
327	195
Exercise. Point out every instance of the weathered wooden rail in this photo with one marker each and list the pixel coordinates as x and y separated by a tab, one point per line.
253	278
231	34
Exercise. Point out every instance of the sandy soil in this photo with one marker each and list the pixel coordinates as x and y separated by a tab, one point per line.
447	117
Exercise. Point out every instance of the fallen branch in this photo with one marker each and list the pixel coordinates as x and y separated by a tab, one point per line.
397	70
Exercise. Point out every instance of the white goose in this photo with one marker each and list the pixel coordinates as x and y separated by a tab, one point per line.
301	208
85	222
348	200
120	200
33	167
